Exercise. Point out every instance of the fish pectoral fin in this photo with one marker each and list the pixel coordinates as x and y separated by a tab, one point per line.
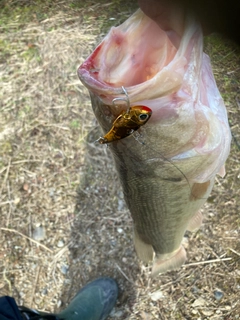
167	262
222	171
144	250
199	190
195	222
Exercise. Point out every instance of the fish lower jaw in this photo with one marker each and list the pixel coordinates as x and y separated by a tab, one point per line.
168	262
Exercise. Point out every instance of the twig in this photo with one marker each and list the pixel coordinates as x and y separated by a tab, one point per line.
3	169
10	204
238	101
6	175
26	161
26	237
61	252
35	285
228	54
216	255
11	270
206	261
125	276
6	202
8	281
177	280
56	126
238	254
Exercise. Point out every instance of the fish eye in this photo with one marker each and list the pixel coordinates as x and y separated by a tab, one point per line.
143	117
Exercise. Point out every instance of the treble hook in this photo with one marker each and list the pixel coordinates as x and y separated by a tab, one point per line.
126	99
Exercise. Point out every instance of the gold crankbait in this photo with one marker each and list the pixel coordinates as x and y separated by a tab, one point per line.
127	122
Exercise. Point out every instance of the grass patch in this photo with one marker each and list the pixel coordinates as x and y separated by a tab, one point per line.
105	13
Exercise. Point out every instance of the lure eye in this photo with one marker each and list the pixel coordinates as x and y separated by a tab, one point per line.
143	117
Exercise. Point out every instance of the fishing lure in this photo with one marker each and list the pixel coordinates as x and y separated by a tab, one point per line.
127	122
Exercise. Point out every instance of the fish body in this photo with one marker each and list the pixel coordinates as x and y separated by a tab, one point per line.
127	123
168	173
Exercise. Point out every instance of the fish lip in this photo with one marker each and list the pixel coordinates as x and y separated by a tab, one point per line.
86	72
105	91
85	76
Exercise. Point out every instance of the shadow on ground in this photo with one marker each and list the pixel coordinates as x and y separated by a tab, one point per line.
101	235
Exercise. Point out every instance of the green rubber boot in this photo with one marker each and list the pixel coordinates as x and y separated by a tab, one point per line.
93	302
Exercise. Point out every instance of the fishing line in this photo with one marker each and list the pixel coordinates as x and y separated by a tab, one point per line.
137	136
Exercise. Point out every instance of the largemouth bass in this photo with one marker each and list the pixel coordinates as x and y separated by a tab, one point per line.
167	167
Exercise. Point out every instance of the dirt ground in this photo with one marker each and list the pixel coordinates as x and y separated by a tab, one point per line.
63	218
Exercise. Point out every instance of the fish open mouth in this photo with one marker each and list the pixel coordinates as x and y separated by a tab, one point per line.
132	55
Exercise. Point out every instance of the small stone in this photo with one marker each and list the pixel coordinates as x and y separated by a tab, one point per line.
195	289
16	201
25	187
145	315
119	230
60	244
39	233
113	243
218	295
59	303
120	205
51	192
44	292
64	269
116	314
199	302
207	313
194	311
155	296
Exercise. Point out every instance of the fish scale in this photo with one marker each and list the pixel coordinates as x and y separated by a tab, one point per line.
161	199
